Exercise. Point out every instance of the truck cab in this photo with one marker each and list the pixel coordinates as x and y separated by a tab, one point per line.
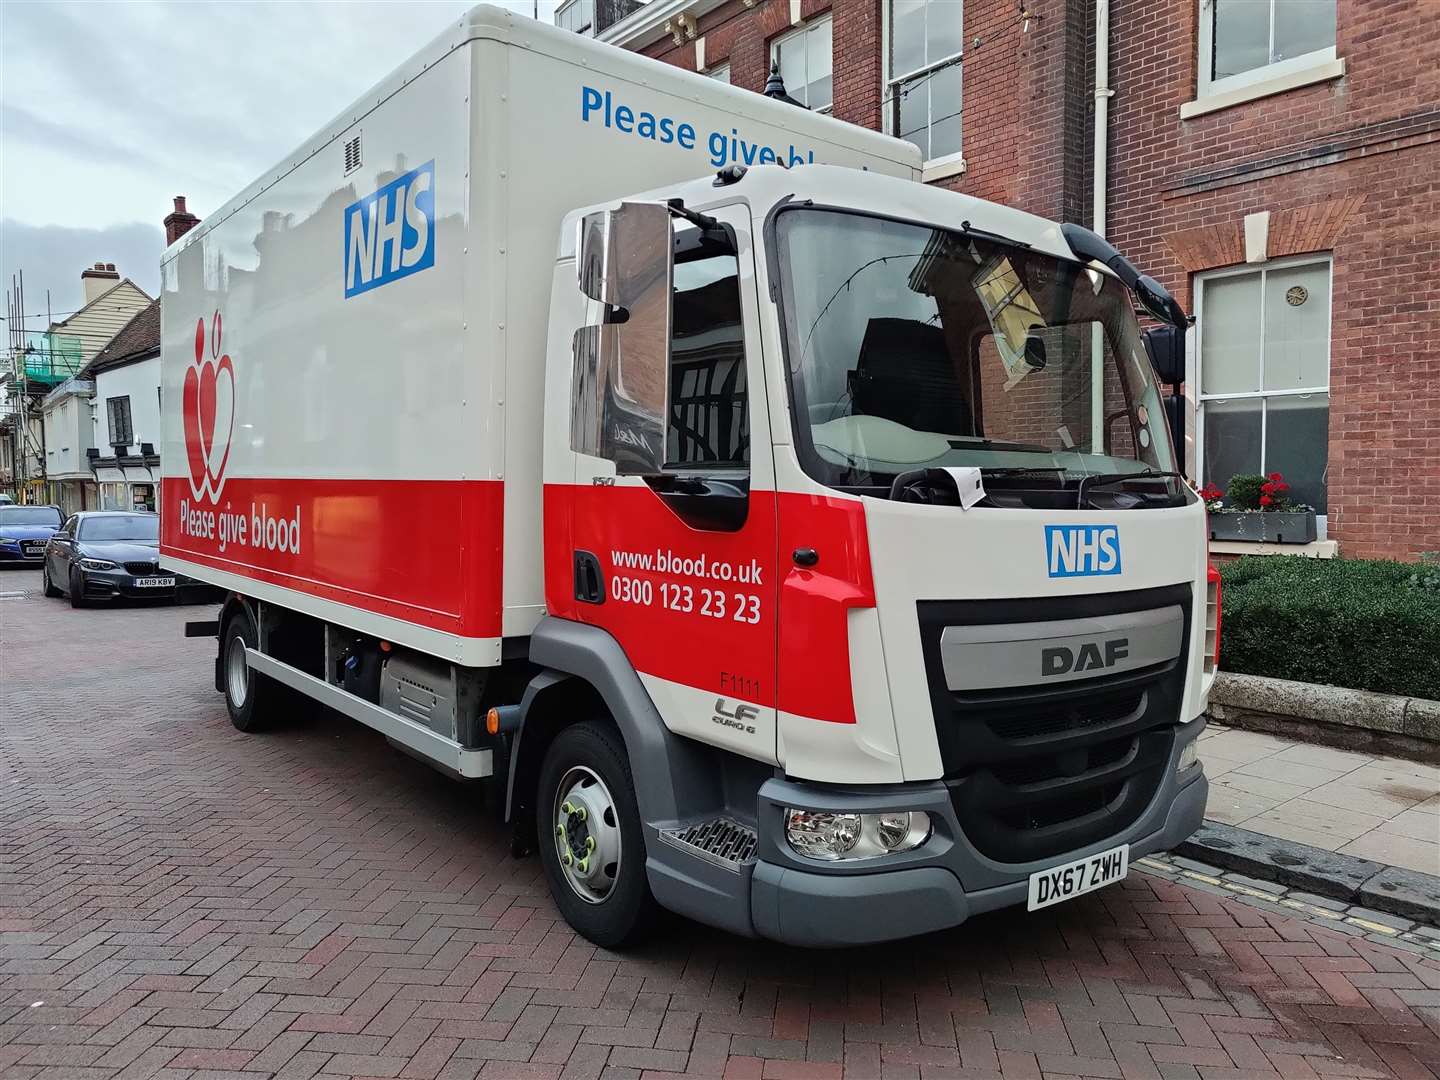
869	491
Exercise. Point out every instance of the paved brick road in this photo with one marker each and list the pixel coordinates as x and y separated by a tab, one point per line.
179	900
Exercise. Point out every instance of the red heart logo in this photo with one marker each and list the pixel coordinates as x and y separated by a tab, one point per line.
207	407
191	411
222	404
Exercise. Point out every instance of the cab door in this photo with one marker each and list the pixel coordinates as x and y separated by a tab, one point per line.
673	520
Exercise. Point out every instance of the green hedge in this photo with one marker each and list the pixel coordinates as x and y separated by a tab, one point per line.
1365	624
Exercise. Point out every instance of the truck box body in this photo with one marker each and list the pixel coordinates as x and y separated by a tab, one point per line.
357	340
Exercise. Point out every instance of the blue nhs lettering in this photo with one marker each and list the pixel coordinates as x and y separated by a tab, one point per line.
390	234
1082	550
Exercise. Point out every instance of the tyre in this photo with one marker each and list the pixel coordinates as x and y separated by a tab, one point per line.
591	842
48	585
77	589
253	701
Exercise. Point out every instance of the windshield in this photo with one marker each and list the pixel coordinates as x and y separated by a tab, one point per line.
137	527
913	347
46	516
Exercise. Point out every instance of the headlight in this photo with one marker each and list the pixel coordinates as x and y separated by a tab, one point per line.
1189	756
832	837
97	564
9	543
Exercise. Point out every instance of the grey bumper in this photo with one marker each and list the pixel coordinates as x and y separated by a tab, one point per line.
805	908
939	885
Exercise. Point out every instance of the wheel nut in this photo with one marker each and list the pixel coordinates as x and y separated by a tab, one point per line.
567	859
580	813
559	830
583	866
567	807
589	844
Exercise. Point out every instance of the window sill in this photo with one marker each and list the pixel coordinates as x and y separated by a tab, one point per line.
1316	549
1279	84
942	169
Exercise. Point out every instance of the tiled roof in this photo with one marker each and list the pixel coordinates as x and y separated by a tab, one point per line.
136	339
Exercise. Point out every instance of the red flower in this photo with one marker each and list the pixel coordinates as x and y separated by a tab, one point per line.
1266	500
1268	488
1276	477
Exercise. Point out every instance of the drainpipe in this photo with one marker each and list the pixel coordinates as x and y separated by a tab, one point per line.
1099	183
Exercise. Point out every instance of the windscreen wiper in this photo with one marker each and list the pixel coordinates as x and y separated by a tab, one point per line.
1089	482
1019	470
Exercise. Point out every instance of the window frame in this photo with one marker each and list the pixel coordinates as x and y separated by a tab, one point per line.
1196	372
714	73
587	30
799	32
112	408
945	164
1207	87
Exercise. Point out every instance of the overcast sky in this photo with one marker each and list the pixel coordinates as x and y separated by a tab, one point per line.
108	110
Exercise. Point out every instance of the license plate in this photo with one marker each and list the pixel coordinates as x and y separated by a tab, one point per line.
35	550
154	582
1079	877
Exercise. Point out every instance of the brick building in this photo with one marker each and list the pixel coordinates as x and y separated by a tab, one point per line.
1276	163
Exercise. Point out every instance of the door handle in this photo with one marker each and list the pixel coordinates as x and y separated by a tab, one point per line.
805	556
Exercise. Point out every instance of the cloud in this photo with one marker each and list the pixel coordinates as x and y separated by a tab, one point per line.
53	256
109	110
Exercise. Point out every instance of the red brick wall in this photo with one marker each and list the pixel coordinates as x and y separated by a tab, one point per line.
1347	166
1017	119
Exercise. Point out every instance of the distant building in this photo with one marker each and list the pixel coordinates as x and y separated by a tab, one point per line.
69	435
125	457
125	462
47	360
592	17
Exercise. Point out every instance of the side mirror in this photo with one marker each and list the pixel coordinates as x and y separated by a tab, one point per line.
622	366
1166	346
1156	299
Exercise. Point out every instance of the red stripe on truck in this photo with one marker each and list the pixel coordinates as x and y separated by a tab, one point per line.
426	551
699	607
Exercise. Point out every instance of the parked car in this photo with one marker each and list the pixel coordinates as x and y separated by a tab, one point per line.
24	531
107	554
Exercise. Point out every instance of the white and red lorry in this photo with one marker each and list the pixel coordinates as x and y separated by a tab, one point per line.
796	546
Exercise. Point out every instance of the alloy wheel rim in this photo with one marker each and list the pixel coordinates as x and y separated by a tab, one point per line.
237	672
585	828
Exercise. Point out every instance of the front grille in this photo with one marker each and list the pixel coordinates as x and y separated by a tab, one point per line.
142	569
1050	719
1038	771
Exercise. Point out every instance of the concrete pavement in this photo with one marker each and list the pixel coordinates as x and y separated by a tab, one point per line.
179	900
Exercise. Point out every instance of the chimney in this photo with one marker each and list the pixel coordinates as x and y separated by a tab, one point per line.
178	222
98	279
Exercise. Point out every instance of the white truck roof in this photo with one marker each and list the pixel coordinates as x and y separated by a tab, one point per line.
487	22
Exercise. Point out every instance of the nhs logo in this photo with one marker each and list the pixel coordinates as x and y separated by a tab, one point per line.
391	234
1082	550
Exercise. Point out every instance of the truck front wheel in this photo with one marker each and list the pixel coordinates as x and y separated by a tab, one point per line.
591	843
250	698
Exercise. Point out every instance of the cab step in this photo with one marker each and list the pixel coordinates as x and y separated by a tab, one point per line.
722	841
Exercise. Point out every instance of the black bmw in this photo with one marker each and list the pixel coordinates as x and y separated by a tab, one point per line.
106	554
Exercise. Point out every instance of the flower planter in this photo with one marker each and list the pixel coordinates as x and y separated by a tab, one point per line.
1257	526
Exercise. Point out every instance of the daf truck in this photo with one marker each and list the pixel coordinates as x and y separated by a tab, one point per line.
782	541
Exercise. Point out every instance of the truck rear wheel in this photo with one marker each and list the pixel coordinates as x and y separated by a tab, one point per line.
251	698
591	842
